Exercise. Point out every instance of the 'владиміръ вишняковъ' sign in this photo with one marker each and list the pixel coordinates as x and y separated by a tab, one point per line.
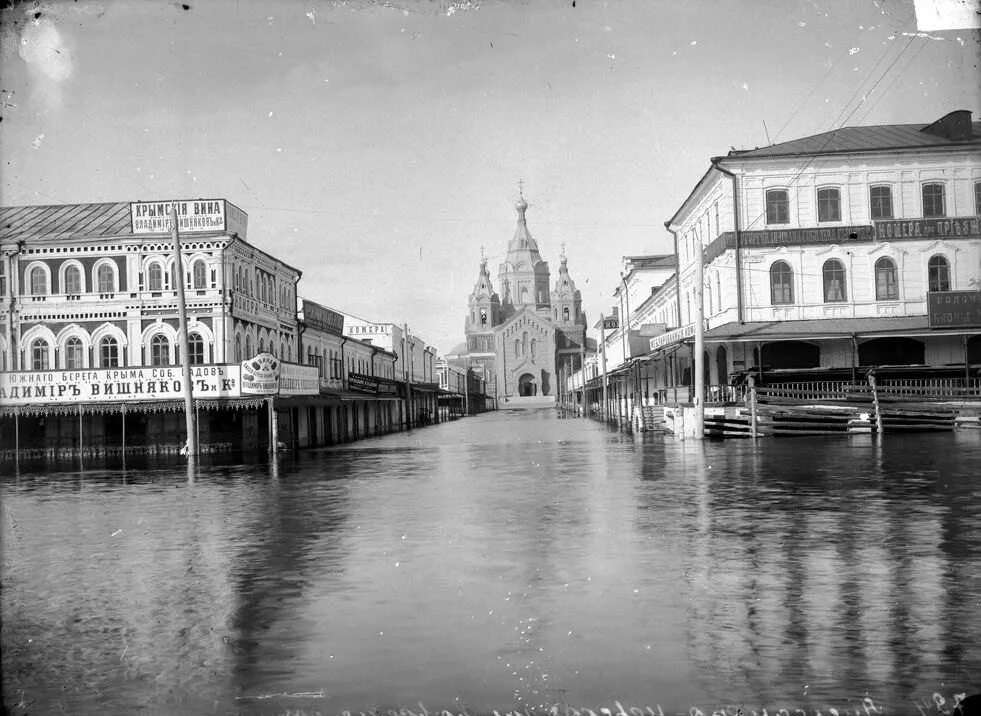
114	385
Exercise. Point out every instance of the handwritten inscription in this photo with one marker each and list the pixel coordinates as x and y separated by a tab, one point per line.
935	705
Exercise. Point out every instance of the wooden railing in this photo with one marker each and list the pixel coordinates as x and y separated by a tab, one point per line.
921	389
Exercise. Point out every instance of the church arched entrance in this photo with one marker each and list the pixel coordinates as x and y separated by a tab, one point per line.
527	385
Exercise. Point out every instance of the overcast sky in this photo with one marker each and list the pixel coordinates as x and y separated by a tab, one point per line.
377	146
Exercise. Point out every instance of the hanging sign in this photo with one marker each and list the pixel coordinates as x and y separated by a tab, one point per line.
954	309
260	375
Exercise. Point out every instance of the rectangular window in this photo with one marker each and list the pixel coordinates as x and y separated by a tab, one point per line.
977	211
934	204
880	202
777	207
3	279
829	205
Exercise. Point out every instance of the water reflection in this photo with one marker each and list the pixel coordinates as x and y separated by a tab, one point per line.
497	562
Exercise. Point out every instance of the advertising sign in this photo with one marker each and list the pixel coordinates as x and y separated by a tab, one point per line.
678	334
114	385
323	319
927	228
369	329
610	324
954	309
193	216
296	379
260	375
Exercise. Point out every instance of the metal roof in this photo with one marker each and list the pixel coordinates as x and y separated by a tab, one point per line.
825	328
64	221
862	139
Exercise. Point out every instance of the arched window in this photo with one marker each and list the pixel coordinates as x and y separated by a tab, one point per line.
159	350
106	278
834	281
109	352
777	207
262	345
517	348
155	277
73	280
195	348
938	272
74	353
565	313
199	273
781	283
40	354
524	294
483	316
39	281
238	349
886	286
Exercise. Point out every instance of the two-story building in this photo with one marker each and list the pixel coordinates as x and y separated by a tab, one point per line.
359	395
89	321
837	253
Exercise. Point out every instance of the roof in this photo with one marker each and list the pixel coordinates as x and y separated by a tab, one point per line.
954	130
64	221
824	328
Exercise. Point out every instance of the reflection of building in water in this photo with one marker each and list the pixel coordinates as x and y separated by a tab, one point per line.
804	577
525	337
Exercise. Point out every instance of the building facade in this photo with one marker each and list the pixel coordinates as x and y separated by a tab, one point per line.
89	320
824	257
521	339
90	342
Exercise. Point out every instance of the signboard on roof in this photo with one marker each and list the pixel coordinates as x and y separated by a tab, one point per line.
193	216
324	319
954	309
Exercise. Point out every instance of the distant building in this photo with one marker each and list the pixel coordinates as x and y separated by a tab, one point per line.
521	339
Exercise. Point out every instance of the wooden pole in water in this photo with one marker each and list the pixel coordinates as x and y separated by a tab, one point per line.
875	404
192	433
699	377
605	408
752	407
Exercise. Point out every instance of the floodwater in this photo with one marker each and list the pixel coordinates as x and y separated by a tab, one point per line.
515	560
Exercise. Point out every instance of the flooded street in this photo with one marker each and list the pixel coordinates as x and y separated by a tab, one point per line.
510	560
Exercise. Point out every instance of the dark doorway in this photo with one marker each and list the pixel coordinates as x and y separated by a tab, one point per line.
527	385
722	365
891	351
790	354
974	350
